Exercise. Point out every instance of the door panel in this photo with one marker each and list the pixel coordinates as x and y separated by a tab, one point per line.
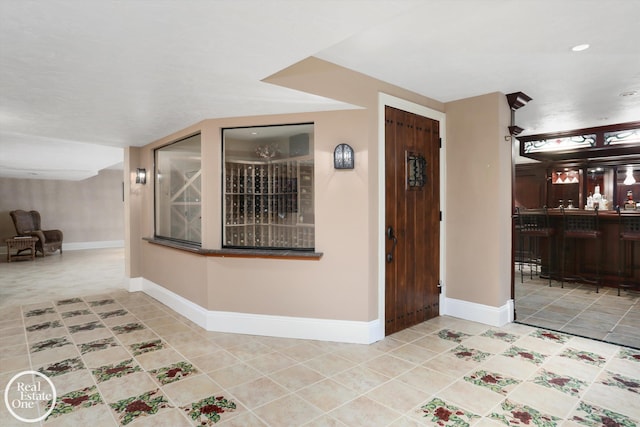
412	210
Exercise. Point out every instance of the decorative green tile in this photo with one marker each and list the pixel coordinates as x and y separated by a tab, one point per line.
208	411
43	326
50	343
584	356
630	354
563	383
128	328
515	414
39	312
107	372
74	313
100	344
551	336
62	367
448	334
148	403
115	313
101	302
146	347
469	354
621	381
85	327
439	412
84	398
68	301
594	416
499	335
491	380
174	372
524	354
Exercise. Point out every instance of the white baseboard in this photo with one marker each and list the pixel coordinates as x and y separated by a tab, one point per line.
258	324
78	246
489	315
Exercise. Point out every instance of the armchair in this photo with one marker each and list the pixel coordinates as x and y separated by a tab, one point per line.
28	224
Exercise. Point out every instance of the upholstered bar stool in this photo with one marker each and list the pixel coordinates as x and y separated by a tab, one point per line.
533	225
629	232
581	225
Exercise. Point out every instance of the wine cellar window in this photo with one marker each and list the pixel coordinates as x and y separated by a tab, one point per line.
178	196
268	187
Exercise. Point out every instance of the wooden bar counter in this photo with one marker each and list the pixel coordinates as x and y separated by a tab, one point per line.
581	254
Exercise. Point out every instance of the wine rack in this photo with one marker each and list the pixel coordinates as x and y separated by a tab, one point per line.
269	204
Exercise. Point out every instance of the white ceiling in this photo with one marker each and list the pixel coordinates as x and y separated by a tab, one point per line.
80	79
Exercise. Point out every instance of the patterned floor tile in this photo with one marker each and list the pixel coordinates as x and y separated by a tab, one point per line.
515	414
97	345
451	335
62	367
44	326
443	414
128	328
469	354
584	356
524	354
595	416
107	372
149	403
563	383
49	344
500	335
208	411
620	381
85	327
493	381
74	401
173	373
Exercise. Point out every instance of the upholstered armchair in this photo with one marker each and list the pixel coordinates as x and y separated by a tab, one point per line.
28	224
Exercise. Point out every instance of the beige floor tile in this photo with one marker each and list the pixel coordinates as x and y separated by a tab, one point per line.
191	389
616	399
329	364
111	355
234	375
127	386
296	377
471	397
327	394
215	360
398	396
544	399
364	412
166	418
271	362
258	392
426	380
389	366
360	379
159	358
246	419
289	410
510	367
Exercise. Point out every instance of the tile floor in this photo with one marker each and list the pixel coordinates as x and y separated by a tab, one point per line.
578	309
120	358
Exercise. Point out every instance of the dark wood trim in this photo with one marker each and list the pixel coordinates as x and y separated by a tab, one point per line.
238	253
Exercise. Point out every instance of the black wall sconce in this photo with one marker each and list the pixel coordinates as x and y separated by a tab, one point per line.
343	157
516	100
141	176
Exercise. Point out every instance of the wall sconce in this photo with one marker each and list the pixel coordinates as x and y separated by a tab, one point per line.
343	157
141	176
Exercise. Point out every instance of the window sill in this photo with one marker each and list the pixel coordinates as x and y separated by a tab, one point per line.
237	253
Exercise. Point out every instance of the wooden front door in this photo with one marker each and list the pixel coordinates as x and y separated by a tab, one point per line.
412	231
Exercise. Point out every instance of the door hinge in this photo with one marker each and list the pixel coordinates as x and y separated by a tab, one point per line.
440	215
440	141
439	286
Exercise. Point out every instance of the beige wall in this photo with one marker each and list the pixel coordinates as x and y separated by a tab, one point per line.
478	207
343	284
90	210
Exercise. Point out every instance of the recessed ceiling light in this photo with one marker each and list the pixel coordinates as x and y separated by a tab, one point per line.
629	93
580	47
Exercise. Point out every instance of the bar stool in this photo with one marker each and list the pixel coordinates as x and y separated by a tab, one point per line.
628	232
581	225
533	225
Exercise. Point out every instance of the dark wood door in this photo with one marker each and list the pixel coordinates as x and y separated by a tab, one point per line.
412	232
